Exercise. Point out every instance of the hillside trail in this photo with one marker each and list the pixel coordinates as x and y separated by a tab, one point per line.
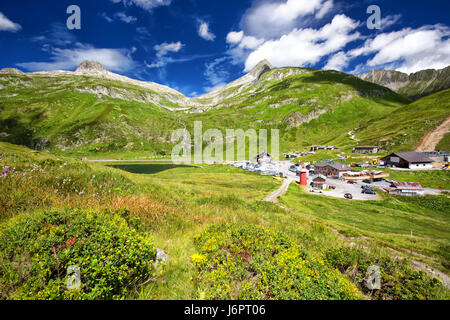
432	138
273	197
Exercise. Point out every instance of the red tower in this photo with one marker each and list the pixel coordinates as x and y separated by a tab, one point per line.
303	178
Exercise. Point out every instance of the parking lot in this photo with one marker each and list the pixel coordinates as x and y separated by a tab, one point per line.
342	187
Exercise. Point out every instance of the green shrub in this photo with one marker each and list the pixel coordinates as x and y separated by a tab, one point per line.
399	281
36	251
249	262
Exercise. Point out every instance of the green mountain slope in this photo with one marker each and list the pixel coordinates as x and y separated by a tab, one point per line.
93	111
403	128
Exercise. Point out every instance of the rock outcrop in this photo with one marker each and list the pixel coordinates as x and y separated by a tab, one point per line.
415	85
10	71
90	66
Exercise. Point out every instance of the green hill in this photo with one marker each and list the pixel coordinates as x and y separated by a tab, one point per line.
94	112
403	128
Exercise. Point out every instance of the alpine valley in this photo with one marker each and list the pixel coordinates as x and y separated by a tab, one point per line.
93	111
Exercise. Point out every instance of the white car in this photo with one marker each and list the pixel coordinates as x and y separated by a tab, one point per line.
315	190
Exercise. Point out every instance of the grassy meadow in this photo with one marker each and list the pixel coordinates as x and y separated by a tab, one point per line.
187	211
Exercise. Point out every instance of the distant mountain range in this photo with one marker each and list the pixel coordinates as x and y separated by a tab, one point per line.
93	111
415	85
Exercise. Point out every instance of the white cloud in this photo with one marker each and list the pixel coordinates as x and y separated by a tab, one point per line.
249	42
408	50
326	8
119	16
106	17
389	20
306	46
269	19
242	41
123	17
338	61
216	73
163	61
58	35
203	31
145	4
164	48
235	37
8	25
68	59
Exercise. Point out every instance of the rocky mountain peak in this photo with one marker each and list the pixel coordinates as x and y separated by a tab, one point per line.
414	85
91	66
261	68
10	71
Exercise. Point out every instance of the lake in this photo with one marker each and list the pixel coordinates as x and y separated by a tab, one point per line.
148	168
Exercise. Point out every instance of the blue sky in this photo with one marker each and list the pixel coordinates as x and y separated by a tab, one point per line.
196	46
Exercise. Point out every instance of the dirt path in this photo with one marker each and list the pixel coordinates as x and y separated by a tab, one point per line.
273	197
395	255
432	138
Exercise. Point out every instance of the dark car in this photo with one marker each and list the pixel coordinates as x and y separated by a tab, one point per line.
369	191
367	181
348	196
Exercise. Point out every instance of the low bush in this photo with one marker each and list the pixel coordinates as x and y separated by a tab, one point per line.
249	262
36	251
399	281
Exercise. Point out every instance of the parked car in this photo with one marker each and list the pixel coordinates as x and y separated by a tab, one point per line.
368	191
367	181
348	196
351	182
293	169
315	190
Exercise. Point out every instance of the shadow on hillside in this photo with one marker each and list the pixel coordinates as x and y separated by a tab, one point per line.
364	88
148	168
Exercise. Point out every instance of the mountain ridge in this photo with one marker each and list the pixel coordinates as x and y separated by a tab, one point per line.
93	110
414	85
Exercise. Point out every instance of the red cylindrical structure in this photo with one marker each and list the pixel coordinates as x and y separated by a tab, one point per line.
303	178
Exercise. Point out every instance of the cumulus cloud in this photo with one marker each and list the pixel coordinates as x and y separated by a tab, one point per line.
325	9
235	37
408	50
145	4
164	48
203	31
303	47
118	60
269	19
8	25
338	61
242	41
